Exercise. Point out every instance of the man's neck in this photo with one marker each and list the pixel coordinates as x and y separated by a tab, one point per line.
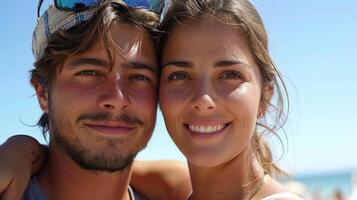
61	178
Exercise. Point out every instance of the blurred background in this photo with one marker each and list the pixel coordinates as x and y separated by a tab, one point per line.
314	44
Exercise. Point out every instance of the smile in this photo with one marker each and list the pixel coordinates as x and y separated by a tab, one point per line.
206	129
212	128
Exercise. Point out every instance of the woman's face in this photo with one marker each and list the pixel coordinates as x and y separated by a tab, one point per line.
210	91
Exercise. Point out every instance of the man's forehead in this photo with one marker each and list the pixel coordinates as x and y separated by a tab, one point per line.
125	37
127	43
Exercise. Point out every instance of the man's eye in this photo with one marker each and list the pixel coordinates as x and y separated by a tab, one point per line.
140	77
231	75
176	76
88	73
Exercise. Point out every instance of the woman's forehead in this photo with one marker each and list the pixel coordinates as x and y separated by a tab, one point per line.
204	37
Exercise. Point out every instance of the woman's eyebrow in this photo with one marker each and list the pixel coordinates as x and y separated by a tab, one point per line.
178	63
227	63
221	63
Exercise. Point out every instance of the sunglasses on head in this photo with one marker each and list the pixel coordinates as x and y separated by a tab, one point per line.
79	5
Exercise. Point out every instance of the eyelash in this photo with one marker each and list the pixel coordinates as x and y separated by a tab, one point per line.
236	75
95	73
140	77
176	76
230	75
89	73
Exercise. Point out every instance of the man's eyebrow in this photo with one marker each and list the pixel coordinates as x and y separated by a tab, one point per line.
178	63
141	65
87	61
227	63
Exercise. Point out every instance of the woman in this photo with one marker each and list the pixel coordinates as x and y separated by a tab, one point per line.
216	89
217	84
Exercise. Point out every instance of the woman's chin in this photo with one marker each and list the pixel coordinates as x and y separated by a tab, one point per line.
208	159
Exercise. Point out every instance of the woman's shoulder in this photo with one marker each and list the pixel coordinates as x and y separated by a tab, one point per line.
283	196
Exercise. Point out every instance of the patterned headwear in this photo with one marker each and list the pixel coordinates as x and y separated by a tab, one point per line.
52	21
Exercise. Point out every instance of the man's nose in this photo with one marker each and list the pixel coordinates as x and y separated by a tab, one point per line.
114	96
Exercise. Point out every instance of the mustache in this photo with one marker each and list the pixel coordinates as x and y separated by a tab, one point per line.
106	116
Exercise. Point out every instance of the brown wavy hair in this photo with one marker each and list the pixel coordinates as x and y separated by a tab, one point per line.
243	14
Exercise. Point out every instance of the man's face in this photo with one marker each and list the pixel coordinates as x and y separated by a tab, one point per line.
102	116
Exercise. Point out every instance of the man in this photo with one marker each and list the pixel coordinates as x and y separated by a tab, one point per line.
96	81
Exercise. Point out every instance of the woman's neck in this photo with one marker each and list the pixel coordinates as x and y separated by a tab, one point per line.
235	179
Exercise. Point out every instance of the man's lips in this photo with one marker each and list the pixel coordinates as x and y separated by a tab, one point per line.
111	128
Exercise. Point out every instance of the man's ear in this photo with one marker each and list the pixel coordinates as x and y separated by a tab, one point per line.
42	95
268	92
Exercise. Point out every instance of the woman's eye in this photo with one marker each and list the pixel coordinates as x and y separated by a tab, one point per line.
179	76
231	75
88	73
140	77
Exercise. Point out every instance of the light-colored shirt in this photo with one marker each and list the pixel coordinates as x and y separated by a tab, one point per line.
283	196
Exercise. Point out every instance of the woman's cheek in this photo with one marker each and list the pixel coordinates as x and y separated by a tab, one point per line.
245	97
174	93
173	103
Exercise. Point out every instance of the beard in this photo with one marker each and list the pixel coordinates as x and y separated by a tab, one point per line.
107	161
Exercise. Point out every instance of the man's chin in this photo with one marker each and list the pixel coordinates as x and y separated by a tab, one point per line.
103	162
106	160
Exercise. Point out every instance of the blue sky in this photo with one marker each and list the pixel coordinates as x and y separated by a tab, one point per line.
313	43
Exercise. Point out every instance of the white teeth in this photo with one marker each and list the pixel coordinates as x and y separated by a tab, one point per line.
214	129
205	129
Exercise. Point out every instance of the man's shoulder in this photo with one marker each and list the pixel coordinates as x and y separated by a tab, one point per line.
33	191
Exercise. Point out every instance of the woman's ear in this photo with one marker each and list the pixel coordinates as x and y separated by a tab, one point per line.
267	95
42	95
